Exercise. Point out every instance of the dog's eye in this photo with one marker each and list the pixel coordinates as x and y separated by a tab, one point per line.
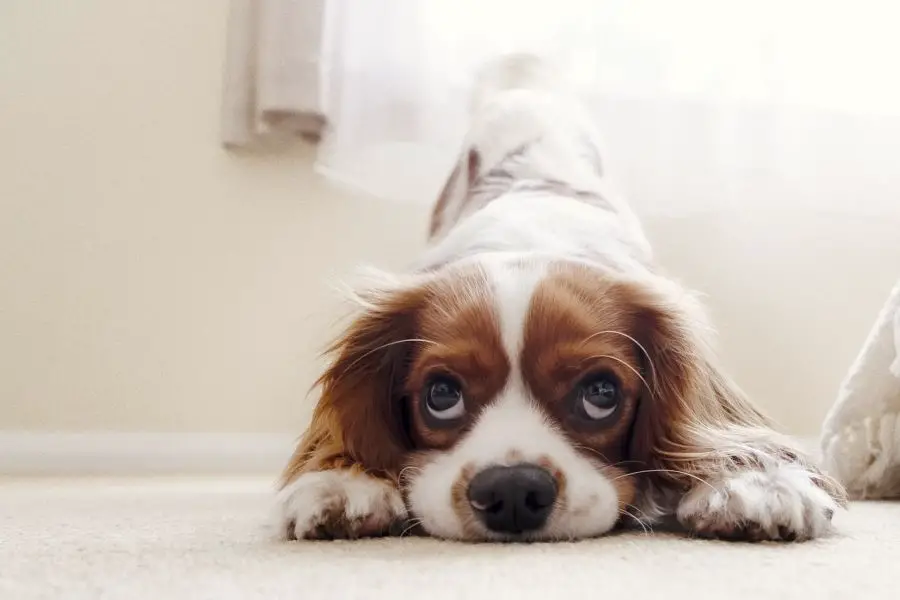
444	399
597	398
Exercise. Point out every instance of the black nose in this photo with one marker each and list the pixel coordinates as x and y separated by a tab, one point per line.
513	499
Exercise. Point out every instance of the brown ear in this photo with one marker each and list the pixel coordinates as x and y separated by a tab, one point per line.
358	421
693	421
686	390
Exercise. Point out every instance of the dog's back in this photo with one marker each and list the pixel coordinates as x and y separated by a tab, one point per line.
529	135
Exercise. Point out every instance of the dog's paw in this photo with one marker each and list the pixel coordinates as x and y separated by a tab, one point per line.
338	504
783	503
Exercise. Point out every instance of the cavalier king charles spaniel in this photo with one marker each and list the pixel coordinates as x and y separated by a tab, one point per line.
535	376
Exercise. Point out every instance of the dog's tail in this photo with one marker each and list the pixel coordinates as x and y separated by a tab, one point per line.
519	71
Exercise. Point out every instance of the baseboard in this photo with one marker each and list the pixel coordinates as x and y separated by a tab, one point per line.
109	453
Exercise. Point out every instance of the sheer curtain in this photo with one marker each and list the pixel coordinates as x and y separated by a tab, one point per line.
706	105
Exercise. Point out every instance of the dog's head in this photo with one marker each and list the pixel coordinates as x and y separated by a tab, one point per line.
516	399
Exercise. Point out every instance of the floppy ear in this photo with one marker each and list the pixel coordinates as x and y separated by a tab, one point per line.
694	421
358	421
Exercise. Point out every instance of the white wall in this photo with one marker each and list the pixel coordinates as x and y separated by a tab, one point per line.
151	282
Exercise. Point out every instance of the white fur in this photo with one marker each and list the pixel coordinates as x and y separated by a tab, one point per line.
781	501
531	223
513	424
520	102
513	287
308	502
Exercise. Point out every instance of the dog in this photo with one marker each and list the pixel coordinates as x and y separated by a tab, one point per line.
535	375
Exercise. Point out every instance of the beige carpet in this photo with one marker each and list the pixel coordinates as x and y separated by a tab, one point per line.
196	538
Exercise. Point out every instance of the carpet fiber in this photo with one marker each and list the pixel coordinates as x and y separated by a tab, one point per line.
206	538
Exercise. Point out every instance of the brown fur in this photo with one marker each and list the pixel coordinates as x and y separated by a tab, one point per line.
382	361
465	336
438	213
451	190
692	421
689	421
561	346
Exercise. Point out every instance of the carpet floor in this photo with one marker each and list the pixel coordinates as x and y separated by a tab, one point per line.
202	538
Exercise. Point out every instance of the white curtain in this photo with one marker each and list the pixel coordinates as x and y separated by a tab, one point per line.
706	105
273	82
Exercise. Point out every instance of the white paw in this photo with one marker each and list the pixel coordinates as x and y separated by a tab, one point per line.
782	503
338	504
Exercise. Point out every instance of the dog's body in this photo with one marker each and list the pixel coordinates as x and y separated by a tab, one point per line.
535	377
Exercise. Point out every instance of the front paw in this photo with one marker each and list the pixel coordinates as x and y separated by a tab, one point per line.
338	504
782	503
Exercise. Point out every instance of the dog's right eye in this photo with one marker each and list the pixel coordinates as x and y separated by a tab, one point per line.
597	399
443	400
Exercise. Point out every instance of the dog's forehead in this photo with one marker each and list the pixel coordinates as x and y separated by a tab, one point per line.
542	304
518	306
513	285
573	303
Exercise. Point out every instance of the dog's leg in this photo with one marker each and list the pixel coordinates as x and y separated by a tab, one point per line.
775	502
339	503
325	495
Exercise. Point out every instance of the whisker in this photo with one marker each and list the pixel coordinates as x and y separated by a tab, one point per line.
412	524
605	467
625	364
636	343
622	462
359	359
407	468
589	449
636	520
691	475
365	355
643	514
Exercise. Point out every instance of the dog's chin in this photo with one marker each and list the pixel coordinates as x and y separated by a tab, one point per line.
486	536
533	537
562	528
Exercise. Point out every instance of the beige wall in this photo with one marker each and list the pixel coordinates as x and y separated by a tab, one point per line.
150	281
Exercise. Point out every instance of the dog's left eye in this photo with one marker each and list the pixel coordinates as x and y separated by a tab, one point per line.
444	399
597	398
